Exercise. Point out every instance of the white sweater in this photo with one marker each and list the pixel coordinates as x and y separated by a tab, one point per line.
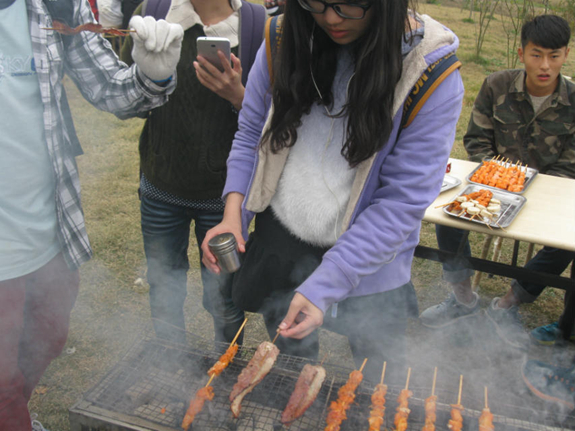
315	185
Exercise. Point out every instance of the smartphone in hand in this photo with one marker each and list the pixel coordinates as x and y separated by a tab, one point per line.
208	48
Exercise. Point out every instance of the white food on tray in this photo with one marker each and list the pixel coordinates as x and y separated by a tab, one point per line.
501	210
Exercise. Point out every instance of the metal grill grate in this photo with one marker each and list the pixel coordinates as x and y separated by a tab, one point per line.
155	380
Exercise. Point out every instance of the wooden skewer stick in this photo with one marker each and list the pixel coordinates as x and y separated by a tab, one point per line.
434	379
383	372
486	403
363	365
239	332
119	30
460	388
408	375
276	337
324	358
210	381
445	205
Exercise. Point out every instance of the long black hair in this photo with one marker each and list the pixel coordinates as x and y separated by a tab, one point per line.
378	65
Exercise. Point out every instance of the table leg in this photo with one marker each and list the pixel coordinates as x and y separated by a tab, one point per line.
568	319
529	252
478	274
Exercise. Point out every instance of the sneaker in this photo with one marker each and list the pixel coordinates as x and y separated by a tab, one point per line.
507	324
36	425
448	312
550	383
549	334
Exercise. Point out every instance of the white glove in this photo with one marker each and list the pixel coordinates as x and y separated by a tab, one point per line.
157	46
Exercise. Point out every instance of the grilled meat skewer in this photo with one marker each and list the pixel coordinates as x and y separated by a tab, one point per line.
196	405
346	396
258	367
377	411
224	361
306	390
430	415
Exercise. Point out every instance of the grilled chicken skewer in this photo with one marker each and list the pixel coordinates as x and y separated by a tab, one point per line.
402	409
207	392
227	357
431	407
306	390
486	418
258	367
378	404
456	421
346	395
197	404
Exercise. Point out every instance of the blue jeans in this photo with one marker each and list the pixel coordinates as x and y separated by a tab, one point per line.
549	260
166	233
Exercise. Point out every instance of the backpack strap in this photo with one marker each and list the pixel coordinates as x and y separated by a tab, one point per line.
252	22
273	33
156	8
434	75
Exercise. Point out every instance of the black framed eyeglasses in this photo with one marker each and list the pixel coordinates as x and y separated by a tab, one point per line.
343	9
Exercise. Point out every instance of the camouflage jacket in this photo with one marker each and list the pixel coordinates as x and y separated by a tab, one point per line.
503	122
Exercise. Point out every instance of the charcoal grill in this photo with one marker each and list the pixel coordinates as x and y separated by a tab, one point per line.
150	389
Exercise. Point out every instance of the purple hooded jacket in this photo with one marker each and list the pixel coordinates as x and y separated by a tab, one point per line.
391	192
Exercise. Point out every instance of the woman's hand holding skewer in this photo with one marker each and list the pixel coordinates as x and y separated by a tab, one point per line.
302	318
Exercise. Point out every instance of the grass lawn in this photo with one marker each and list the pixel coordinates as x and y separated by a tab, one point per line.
112	309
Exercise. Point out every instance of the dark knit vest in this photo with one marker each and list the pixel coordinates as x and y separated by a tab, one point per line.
185	143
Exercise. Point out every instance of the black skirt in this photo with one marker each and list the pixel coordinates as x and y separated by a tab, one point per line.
274	265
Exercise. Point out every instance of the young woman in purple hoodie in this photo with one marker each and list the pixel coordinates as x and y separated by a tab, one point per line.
337	185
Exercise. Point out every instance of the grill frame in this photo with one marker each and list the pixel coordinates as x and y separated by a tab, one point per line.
157	374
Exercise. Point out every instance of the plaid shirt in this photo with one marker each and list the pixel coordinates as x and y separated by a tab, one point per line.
104	81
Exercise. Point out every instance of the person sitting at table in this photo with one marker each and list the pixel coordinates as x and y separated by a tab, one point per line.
526	115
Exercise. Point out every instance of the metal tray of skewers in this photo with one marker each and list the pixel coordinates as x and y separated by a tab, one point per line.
529	175
504	209
449	182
